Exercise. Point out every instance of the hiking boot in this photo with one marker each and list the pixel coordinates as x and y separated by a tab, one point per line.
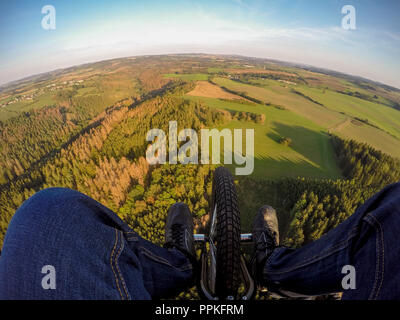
179	231
265	237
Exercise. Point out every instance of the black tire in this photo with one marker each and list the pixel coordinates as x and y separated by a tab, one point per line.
227	234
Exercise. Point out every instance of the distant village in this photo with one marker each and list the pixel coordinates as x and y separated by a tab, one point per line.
40	91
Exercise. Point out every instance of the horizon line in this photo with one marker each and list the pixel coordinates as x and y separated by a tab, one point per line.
294	64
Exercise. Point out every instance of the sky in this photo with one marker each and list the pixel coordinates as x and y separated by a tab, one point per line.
301	31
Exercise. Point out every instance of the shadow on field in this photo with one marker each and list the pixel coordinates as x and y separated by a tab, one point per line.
309	143
280	167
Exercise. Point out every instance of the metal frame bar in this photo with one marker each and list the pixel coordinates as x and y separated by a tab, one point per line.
244	237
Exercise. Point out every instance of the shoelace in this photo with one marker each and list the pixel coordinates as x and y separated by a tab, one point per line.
266	240
177	234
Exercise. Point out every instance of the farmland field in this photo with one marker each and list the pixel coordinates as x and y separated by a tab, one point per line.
310	154
382	130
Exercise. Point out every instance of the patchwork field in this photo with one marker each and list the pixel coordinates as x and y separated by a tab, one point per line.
380	125
207	89
189	77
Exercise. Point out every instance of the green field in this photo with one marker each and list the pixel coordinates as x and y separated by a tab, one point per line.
310	154
276	93
379	115
109	88
188	77
337	115
14	109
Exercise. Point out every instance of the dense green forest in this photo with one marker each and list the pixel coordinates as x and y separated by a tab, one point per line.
313	207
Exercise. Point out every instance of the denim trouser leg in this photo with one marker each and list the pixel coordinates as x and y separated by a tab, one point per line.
95	255
367	240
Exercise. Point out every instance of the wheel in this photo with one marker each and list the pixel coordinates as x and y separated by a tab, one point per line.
224	236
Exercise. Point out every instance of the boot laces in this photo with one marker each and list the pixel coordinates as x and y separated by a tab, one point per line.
178	234
266	240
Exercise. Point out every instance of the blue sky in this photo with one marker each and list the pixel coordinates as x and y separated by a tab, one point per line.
303	31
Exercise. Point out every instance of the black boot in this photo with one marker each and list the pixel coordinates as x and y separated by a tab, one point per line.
179	231
265	237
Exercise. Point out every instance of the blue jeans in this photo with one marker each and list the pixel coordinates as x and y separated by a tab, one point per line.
95	255
367	240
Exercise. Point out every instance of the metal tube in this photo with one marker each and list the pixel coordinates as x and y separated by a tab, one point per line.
244	237
199	237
